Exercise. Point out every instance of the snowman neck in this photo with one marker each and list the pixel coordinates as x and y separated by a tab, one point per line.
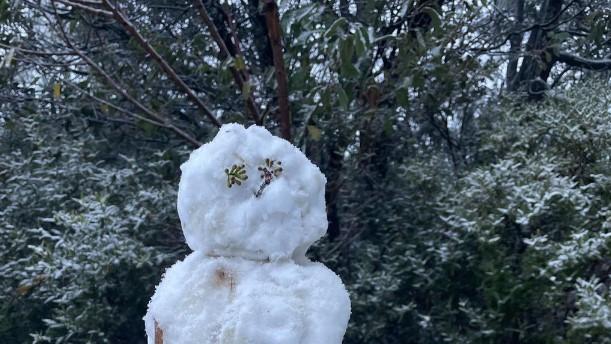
252	256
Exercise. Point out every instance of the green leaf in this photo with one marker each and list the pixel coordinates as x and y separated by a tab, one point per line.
147	127
246	88
239	62
387	126
346	52
57	90
418	80
359	45
435	17
72	25
335	26
297	79
402	97
314	132
343	99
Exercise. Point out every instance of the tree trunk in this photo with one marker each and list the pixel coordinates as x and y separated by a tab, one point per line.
274	32
515	42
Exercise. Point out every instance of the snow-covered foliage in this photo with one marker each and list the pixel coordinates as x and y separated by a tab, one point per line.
593	316
512	247
539	216
248	280
78	230
516	249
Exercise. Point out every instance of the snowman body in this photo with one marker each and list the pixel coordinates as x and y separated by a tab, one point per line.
250	206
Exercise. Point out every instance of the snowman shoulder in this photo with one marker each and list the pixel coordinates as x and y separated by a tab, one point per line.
327	286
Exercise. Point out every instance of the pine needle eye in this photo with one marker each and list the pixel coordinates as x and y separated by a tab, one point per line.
236	175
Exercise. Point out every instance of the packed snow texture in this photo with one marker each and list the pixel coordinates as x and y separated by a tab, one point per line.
278	220
250	205
208	300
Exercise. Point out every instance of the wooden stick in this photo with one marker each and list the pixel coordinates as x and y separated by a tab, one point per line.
158	334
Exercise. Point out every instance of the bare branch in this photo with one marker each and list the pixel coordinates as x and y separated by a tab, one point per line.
81	6
272	19
36	52
138	104
177	130
111	105
163	64
239	78
581	62
121	89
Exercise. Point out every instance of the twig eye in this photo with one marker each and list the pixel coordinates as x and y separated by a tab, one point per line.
235	175
270	170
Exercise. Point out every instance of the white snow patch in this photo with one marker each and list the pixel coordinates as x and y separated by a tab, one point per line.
204	300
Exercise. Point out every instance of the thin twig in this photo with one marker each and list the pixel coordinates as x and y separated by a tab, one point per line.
111	105
81	6
240	77
119	88
35	52
163	64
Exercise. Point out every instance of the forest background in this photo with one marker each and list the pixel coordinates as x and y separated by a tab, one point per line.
466	145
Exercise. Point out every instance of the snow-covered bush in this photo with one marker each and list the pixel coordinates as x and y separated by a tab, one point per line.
593	317
80	229
499	253
512	246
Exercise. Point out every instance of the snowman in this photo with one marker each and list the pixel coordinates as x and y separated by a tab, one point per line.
250	205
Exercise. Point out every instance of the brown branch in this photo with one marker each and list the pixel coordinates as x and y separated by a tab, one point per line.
236	41
89	2
547	26
93	10
274	32
161	62
111	105
38	53
240	79
164	124
138	104
581	62
118	87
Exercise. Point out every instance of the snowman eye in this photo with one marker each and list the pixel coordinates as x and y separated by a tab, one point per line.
235	175
270	170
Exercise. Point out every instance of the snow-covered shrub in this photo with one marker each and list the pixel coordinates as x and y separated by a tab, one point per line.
593	316
496	253
80	229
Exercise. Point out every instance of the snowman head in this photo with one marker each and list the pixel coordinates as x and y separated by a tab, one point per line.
250	194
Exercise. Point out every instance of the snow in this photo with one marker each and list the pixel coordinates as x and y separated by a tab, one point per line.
208	300
287	217
250	205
